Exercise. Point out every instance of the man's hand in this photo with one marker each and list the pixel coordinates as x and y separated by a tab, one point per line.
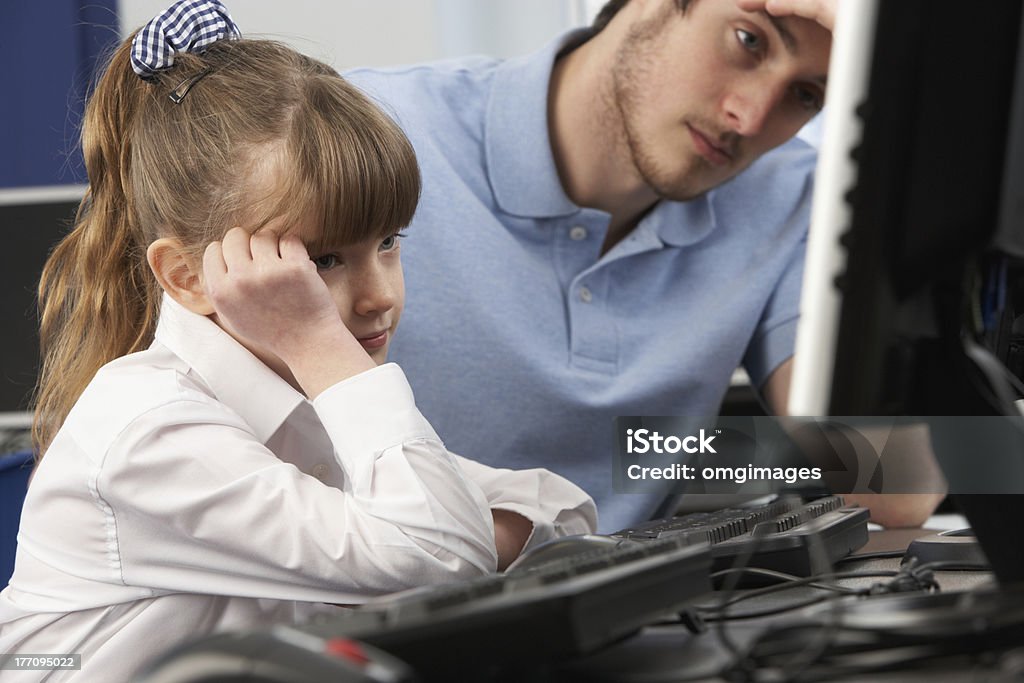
897	510
267	294
910	473
821	11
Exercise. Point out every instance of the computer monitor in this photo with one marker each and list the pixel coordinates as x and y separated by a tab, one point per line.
33	220
918	233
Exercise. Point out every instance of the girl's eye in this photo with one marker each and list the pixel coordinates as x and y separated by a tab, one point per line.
391	241
748	40
325	262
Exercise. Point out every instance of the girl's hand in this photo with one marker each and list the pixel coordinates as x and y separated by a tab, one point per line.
267	294
821	11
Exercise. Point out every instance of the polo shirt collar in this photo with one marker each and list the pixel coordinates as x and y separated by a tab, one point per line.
680	224
237	378
520	163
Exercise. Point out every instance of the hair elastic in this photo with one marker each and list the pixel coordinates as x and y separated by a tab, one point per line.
185	26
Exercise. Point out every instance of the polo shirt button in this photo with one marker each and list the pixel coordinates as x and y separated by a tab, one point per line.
320	471
586	296
578	233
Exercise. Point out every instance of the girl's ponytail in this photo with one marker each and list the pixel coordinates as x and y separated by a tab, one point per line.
97	298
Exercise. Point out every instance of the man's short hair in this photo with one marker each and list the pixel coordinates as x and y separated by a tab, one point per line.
612	7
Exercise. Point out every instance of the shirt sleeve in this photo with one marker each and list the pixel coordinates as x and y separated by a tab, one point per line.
775	337
556	506
197	504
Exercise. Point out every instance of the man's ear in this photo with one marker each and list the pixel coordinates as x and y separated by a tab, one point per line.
179	274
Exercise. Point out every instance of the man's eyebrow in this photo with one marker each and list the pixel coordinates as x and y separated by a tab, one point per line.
789	40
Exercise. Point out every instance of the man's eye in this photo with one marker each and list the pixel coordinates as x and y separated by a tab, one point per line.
325	262
748	40
809	99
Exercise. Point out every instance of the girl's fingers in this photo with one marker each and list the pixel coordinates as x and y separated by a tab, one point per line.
292	249
263	245
235	247
213	260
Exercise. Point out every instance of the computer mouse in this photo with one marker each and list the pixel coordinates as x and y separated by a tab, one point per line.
280	655
565	546
955	549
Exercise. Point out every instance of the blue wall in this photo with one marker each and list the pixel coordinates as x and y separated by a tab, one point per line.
49	52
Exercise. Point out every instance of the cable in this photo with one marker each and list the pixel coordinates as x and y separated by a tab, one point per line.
902	582
741	666
995	389
962	626
813	582
770	611
822	638
729	587
818	656
993	363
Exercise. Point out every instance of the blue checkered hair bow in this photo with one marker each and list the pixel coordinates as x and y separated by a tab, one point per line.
185	26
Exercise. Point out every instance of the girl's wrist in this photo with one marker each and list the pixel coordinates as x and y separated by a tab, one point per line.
325	359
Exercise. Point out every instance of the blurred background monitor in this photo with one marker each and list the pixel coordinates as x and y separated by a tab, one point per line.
32	220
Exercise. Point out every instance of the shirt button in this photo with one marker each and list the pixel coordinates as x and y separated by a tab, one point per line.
586	296
320	471
578	233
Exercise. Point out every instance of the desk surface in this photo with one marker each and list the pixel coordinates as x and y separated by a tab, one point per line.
672	653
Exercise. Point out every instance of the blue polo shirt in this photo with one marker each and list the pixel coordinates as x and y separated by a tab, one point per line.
522	342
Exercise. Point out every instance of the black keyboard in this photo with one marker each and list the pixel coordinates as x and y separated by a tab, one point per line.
791	536
561	608
558	608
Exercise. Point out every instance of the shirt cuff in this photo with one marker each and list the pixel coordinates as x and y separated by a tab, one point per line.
543	529
366	414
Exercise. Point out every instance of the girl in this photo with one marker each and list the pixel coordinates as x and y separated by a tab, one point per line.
222	445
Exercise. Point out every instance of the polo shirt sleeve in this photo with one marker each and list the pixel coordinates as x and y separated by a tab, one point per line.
775	337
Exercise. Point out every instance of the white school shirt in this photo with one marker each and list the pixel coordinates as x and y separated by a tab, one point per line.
192	490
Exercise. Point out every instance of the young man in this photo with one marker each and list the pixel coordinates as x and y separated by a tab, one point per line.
608	227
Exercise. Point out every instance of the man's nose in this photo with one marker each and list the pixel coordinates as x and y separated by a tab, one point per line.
747	110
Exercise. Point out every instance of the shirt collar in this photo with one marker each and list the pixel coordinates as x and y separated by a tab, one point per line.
524	176
680	224
237	378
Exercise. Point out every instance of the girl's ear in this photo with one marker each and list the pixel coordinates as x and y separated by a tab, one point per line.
178	274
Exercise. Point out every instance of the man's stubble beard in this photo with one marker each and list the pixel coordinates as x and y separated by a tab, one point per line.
624	100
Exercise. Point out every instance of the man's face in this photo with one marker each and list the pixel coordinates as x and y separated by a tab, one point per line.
705	93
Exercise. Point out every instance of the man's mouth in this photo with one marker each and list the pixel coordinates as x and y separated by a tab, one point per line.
707	149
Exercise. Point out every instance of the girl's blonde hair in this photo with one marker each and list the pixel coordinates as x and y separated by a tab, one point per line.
186	170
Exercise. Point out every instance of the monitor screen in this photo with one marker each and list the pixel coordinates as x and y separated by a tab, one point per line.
33	221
